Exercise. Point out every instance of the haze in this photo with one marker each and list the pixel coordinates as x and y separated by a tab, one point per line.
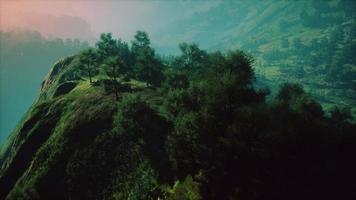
21	76
87	19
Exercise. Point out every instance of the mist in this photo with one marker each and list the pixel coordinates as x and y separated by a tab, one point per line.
122	18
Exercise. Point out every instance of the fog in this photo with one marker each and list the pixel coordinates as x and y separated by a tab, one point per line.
87	19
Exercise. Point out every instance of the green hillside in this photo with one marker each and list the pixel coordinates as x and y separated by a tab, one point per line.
119	121
308	42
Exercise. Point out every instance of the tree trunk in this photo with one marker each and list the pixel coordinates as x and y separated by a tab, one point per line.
90	78
115	89
116	93
89	72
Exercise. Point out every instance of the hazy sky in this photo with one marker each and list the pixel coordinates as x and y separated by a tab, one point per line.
122	18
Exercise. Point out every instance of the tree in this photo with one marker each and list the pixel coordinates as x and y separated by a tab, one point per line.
141	42
107	46
148	68
113	66
289	91
88	60
240	62
177	80
127	57
192	57
217	62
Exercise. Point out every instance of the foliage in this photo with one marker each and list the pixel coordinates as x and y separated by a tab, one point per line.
192	57
186	190
107	46
148	68
141	42
208	134
177	80
88	59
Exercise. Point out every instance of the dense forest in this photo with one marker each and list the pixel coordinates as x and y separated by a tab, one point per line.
119	121
25	58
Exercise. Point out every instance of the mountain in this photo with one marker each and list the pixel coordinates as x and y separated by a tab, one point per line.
48	25
119	122
308	42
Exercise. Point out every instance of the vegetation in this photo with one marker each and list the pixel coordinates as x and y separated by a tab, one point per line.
303	41
87	61
192	126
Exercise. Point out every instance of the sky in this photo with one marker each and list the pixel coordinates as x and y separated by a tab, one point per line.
92	17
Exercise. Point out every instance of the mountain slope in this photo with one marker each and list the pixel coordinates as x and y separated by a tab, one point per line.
292	41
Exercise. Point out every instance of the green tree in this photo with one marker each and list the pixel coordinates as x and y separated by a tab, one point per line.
148	68
127	57
217	63
141	42
289	91
88	61
177	80
192	57
240	62
107	46
113	66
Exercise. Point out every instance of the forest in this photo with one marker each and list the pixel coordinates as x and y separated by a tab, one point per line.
119	121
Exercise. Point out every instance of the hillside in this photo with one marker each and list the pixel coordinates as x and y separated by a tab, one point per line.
311	42
118	122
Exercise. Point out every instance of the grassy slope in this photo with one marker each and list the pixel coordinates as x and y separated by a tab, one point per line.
44	146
